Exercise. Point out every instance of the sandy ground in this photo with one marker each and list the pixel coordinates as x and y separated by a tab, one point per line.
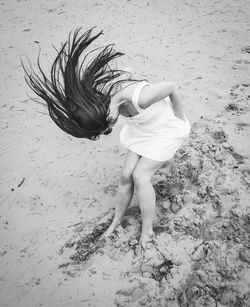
58	193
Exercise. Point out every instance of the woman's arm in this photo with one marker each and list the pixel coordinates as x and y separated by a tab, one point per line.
155	92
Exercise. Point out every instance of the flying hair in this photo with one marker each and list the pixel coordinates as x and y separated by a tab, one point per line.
78	92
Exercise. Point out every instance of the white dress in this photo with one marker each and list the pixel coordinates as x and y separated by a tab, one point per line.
155	133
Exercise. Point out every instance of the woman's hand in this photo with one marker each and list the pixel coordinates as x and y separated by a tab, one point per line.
176	100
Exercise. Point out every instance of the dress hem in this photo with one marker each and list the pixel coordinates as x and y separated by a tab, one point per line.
145	156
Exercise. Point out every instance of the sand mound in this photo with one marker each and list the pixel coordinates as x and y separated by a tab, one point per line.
200	256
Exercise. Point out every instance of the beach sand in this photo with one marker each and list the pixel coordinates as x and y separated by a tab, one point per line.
58	192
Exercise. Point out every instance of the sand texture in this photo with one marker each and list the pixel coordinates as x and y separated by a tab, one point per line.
57	193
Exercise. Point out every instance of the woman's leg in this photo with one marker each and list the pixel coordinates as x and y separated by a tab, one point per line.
142	176
125	191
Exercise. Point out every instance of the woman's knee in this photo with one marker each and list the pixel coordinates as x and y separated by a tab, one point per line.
141	178
126	176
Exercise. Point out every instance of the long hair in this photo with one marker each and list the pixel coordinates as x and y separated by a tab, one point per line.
76	93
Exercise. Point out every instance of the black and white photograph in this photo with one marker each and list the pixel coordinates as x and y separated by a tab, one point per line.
125	153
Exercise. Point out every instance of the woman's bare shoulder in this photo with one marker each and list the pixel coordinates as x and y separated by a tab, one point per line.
149	94
127	90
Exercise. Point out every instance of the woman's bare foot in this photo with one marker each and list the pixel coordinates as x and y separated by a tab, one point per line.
110	230
145	239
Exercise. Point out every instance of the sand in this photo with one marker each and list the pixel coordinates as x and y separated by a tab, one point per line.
58	193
